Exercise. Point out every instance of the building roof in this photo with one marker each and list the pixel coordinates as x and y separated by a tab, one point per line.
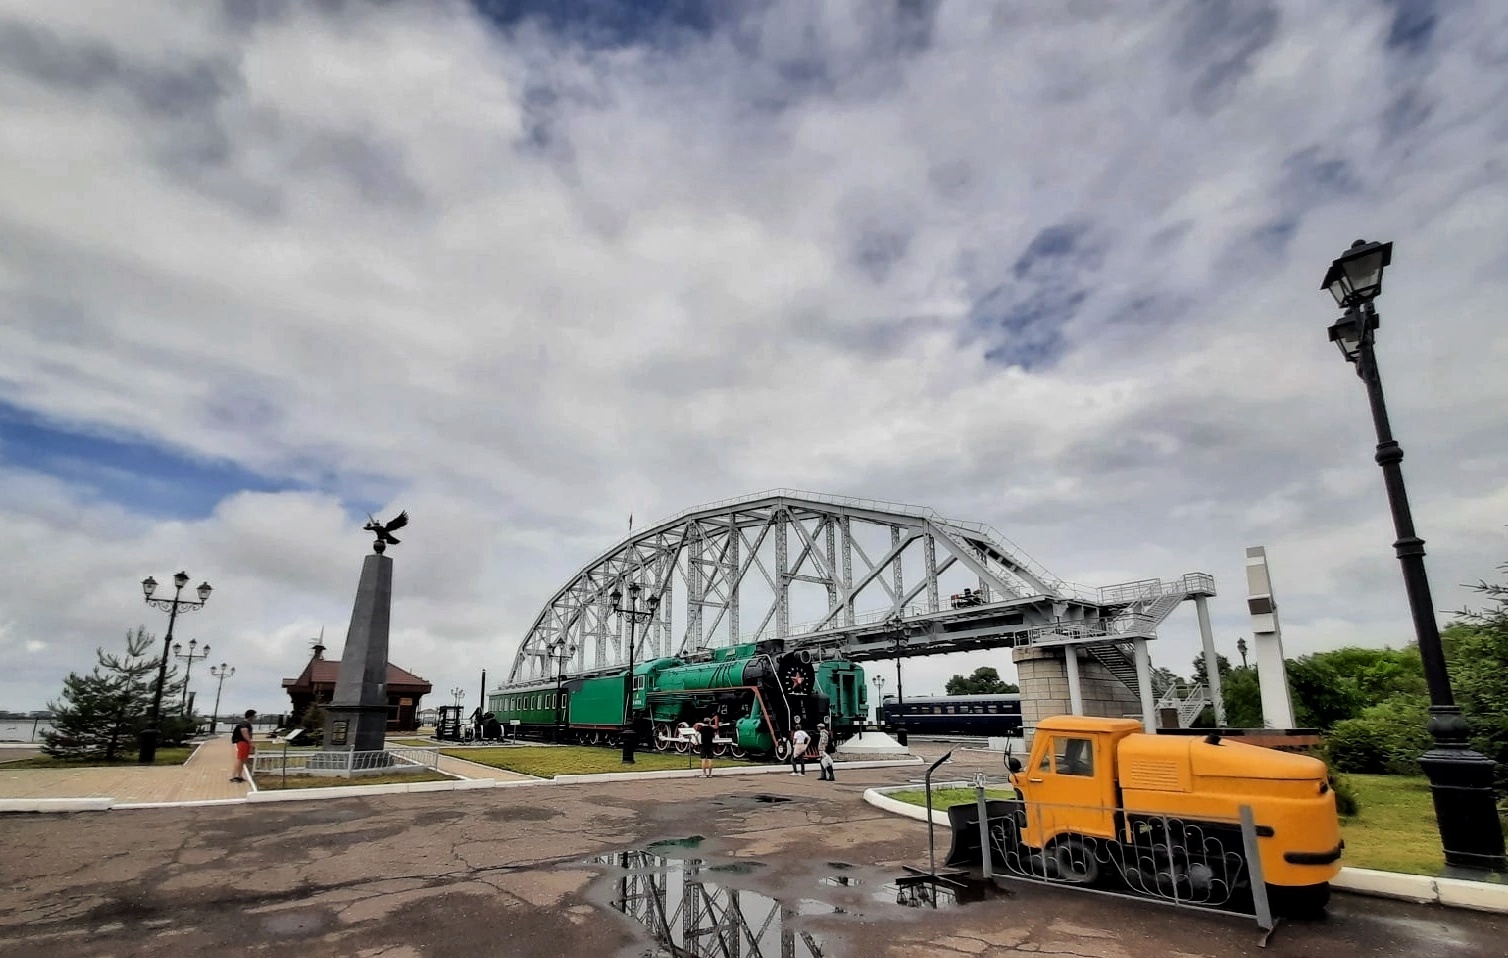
323	671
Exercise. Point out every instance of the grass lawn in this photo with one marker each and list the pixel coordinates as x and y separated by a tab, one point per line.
272	781
944	797
547	762
1395	830
411	742
165	756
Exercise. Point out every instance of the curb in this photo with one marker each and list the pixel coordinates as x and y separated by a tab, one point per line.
696	772
256	796
56	804
1421	889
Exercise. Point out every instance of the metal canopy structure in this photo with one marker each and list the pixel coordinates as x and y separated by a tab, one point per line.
840	577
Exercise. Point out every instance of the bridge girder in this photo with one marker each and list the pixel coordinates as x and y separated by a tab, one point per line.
870	574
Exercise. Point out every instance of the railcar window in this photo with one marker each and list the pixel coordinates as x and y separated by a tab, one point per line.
1073	756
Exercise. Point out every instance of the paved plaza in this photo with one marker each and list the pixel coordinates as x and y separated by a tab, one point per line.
508	872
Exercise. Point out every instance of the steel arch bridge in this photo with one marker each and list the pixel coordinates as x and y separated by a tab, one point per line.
840	577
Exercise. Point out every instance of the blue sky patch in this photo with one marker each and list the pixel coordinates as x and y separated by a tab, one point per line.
140	476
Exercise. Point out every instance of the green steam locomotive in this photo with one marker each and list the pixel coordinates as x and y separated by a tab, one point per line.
759	691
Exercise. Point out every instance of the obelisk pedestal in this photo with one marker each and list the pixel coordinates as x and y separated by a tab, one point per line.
356	718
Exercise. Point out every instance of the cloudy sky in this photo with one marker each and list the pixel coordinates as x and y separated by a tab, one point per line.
524	268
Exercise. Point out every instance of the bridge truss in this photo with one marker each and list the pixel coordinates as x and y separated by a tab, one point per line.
839	577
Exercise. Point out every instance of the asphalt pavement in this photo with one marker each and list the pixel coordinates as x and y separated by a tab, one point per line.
786	865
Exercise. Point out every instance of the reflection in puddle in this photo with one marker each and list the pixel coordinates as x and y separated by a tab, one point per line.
737	868
689	917
843	880
923	891
693	841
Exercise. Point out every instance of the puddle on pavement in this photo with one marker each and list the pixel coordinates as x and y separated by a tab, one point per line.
690	917
842	881
771	799
952	891
294	922
690	912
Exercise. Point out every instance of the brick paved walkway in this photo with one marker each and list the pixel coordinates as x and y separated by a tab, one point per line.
205	776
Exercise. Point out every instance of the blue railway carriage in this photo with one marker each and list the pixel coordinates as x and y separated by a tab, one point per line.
984	715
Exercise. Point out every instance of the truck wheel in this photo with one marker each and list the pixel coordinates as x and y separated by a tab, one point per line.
1075	861
1301	902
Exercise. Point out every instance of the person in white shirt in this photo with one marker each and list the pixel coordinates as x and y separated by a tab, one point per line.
799	740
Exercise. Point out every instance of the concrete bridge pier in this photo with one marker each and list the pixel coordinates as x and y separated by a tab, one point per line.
1065	680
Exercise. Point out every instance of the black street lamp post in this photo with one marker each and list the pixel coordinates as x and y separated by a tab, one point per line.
152	734
189	657
1460	778
221	672
560	650
634	614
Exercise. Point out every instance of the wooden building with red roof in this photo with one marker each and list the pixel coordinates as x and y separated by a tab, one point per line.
316	684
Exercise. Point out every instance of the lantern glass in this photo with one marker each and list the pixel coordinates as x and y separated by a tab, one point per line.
204	591
181	579
148	586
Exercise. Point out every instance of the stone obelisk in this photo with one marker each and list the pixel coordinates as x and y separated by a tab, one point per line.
356	718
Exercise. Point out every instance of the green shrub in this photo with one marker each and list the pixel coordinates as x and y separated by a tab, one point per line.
1347	801
1385	739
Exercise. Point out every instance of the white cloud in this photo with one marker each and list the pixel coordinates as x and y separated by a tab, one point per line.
523	289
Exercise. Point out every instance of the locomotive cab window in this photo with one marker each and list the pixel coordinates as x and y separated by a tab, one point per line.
1073	756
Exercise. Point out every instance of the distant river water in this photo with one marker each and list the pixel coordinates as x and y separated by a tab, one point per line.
25	730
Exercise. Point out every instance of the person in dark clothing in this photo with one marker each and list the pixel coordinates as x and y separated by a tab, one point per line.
707	729
826	746
241	738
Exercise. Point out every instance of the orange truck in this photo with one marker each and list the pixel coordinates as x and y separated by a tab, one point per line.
1100	799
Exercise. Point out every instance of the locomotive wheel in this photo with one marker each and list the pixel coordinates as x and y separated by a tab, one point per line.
782	751
681	745
663	732
738	751
719	749
1076	862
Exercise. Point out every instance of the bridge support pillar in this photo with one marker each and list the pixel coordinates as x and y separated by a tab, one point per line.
1046	688
1075	693
1211	659
1144	684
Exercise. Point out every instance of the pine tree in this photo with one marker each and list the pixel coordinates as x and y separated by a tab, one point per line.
101	713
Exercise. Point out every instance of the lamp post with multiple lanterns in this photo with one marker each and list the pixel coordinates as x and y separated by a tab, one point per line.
152	734
634	614
560	650
221	672
190	657
1460	778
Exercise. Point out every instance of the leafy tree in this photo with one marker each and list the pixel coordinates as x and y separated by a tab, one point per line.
986	680
1222	666
1243	698
1320	696
1385	739
101	713
1476	649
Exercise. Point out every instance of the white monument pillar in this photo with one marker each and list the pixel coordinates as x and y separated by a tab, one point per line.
1267	635
1144	684
1211	661
1071	667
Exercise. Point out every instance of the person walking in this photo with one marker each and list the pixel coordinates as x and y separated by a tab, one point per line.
826	746
241	738
799	741
708	729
